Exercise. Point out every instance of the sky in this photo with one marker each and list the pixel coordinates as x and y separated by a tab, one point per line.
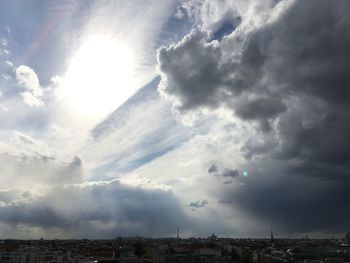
134	118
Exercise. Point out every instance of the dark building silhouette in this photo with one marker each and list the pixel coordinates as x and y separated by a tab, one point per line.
271	238
347	238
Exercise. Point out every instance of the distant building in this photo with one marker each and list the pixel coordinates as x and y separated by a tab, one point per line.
313	261
334	260
209	252
271	238
213	237
347	238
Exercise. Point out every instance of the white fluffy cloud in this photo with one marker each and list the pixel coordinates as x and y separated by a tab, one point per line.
31	100
27	78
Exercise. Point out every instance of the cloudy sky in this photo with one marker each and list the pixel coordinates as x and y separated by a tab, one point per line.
137	117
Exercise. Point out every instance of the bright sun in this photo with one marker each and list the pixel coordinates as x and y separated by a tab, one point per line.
99	77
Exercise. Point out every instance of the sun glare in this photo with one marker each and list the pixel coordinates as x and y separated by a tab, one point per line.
99	77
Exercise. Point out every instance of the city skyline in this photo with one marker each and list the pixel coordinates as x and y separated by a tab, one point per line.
152	118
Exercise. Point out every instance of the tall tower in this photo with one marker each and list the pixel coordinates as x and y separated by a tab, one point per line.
271	238
178	233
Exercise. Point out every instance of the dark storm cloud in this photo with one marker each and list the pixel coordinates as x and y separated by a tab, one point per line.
227	182
293	204
198	204
307	56
200	74
212	169
132	210
229	173
262	109
192	71
305	61
290	76
225	29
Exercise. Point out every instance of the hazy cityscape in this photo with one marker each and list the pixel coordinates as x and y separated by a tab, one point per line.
178	250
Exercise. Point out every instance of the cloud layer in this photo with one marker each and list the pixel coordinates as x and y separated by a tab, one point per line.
285	77
101	209
249	129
